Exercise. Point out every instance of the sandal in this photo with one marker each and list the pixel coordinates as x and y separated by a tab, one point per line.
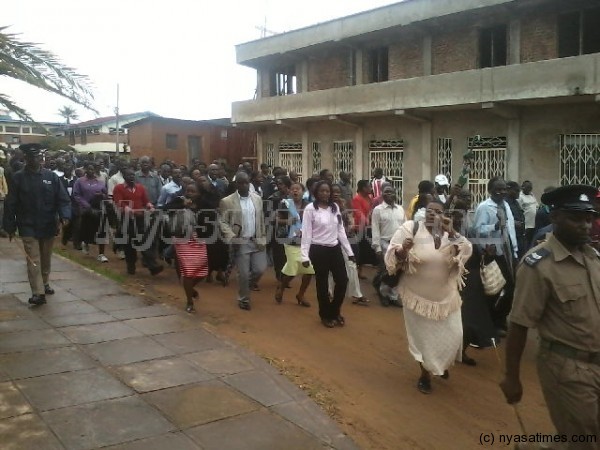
328	323
340	321
302	302
190	308
279	294
424	385
363	301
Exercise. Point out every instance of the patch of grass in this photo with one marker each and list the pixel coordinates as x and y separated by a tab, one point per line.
91	264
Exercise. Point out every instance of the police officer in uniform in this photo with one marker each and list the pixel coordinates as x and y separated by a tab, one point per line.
558	292
35	203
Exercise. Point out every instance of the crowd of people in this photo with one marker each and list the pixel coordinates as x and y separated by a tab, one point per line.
429	256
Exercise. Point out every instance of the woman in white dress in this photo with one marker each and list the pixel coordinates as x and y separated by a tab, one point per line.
432	261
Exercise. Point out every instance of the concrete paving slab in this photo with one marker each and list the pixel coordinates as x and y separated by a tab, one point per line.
79	319
27	432
60	296
10	302
106	423
72	388
126	351
174	441
160	374
188	406
93	293
220	361
12	402
52	309
118	302
163	324
139	313
44	362
99	332
31	340
189	341
13	274
259	386
257	430
10	326
15	288
308	416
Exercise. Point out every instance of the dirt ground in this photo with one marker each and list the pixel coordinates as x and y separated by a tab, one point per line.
362	374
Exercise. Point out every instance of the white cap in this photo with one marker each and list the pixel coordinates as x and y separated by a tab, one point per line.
441	180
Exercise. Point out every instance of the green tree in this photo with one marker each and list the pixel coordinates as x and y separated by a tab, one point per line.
27	62
68	114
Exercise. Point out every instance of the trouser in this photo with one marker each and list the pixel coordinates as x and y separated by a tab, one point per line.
139	237
384	290
1	212
572	392
325	260
278	257
39	252
67	232
503	302
251	263
529	233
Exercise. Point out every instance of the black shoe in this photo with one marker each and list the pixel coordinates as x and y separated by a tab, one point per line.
244	305
328	323
468	361
445	375
156	270
37	300
48	290
340	321
424	385
396	303
385	301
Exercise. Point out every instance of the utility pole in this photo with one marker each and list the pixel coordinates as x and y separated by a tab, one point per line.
117	119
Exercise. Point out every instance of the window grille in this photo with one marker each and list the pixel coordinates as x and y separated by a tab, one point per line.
580	159
489	161
389	156
444	157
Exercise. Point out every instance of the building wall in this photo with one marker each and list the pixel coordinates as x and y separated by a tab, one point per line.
406	59
539	38
328	70
454	50
229	143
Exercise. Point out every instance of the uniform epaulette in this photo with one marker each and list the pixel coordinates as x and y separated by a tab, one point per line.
535	257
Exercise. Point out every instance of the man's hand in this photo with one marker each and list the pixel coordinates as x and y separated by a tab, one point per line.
305	264
408	244
352	258
512	389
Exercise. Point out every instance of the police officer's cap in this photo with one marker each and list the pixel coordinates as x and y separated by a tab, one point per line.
577	197
30	149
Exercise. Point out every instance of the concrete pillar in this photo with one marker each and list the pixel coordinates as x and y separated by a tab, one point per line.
360	167
260	148
303	72
513	150
514	42
427	55
258	84
358	61
306	157
426	151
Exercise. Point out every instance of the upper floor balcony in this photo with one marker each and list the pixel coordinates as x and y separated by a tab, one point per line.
515	83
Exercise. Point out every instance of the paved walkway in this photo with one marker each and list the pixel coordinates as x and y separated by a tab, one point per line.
97	368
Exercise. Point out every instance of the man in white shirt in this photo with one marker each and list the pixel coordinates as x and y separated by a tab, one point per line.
529	205
170	190
385	221
242	224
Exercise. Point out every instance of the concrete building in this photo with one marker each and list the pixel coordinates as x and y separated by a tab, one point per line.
100	135
182	141
14	132
412	86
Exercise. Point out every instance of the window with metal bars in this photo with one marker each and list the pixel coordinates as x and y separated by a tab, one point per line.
580	159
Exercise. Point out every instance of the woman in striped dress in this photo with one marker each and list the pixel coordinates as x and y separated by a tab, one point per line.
190	249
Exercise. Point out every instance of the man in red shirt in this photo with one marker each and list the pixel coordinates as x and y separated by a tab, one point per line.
131	199
361	208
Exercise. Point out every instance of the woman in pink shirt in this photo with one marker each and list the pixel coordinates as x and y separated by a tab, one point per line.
323	236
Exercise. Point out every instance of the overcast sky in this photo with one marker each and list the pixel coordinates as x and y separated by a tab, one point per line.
175	58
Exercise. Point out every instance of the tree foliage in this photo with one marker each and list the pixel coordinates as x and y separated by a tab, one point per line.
68	114
27	62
